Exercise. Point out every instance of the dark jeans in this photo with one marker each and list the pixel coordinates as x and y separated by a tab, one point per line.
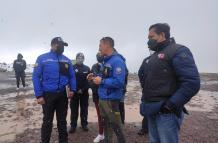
54	102
164	128
83	101
20	76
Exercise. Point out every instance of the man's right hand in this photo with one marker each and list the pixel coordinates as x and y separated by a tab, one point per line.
41	100
70	94
90	76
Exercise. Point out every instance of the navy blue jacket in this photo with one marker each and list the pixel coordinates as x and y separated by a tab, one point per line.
187	77
81	72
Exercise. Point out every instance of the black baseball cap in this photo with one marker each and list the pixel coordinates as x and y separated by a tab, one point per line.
81	55
58	40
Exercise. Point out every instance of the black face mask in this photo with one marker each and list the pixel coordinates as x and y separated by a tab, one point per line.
60	49
19	58
152	44
100	58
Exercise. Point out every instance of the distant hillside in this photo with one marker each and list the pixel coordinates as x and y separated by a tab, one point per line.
4	67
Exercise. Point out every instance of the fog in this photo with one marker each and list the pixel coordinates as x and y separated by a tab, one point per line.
27	27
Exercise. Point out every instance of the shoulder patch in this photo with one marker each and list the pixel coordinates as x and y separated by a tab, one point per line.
66	65
118	70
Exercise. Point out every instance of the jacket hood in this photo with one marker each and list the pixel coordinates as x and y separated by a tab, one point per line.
121	56
19	56
115	54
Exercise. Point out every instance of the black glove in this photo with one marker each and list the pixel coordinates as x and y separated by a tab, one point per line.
168	107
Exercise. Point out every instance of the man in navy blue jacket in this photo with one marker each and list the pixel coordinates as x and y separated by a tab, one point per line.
52	73
111	86
172	79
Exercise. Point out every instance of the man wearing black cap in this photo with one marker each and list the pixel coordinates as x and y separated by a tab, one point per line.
82	96
53	72
19	68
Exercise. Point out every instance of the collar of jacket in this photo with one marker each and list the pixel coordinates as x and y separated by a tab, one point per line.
54	53
79	65
108	57
164	44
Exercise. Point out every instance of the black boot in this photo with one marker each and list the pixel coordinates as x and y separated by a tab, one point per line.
142	132
85	128
72	130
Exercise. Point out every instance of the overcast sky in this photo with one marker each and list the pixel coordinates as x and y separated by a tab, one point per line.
27	27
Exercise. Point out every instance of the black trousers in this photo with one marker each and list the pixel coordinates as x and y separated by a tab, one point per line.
122	111
81	100
55	102
20	76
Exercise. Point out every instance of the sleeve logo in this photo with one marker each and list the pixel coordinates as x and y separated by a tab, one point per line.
118	70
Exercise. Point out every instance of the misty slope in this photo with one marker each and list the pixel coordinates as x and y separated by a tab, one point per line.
4	67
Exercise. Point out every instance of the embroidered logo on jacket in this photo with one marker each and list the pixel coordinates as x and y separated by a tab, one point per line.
118	70
161	56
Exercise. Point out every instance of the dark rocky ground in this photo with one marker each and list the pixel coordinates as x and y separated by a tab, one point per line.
20	116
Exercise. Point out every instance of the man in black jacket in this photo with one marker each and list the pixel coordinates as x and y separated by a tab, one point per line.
172	80
19	68
82	96
142	73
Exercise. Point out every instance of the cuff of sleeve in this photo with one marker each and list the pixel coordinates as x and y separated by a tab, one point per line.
72	89
39	96
171	105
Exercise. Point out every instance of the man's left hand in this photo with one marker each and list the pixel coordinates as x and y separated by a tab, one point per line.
97	80
169	107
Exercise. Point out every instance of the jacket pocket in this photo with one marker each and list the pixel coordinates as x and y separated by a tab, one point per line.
64	68
114	106
151	108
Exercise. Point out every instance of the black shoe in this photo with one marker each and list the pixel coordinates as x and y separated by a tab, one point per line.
85	128
142	132
72	130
